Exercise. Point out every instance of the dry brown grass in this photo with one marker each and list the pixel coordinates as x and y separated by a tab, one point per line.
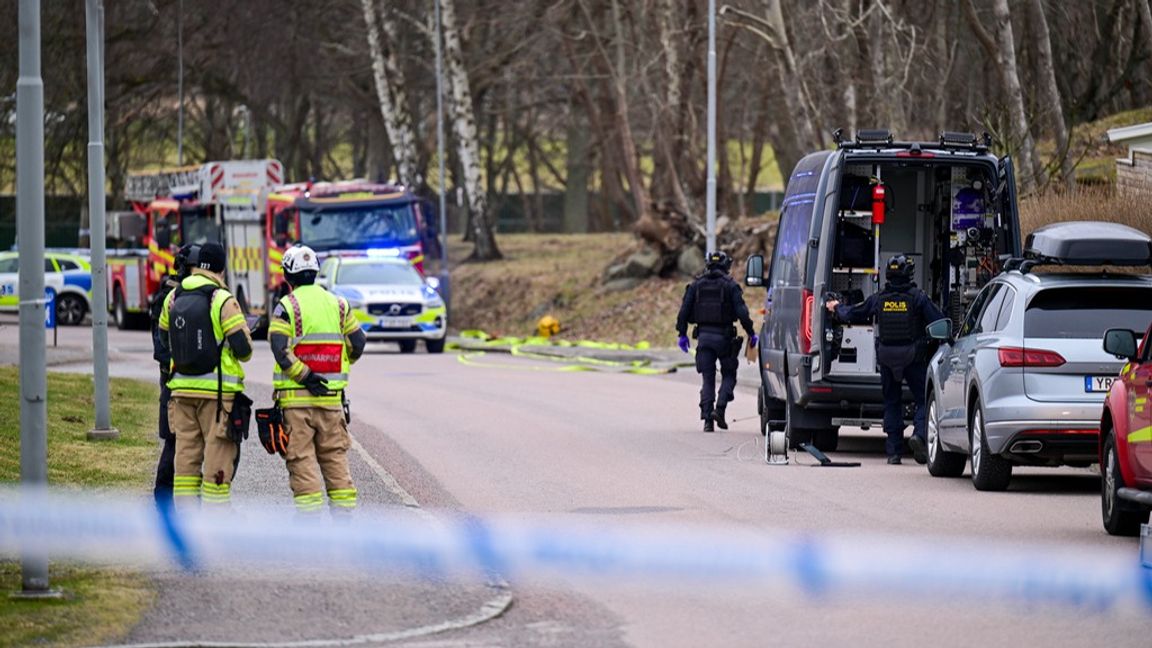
560	275
1088	203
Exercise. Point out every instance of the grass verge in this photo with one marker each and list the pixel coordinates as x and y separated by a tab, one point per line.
72	458
100	604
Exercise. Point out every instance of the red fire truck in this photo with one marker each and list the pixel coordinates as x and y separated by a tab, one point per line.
350	218
216	201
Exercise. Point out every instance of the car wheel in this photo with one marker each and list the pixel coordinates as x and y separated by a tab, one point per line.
70	310
826	439
989	472
1119	518
941	463
434	346
407	346
119	310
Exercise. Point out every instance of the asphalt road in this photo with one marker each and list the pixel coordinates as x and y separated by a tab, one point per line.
508	436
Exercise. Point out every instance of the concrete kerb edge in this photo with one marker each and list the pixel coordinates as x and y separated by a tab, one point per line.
490	610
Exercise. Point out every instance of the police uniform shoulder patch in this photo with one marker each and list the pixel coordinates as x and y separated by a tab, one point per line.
279	311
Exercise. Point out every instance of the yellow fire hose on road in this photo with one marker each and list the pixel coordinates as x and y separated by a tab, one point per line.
475	344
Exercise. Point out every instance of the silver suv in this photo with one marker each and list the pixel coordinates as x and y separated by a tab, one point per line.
1024	379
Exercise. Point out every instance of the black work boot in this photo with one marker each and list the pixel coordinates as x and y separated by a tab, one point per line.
708	425
719	416
919	449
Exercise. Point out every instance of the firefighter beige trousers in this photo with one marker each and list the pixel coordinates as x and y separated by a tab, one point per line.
202	448
317	458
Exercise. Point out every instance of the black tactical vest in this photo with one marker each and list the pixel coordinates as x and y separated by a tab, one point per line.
712	303
898	320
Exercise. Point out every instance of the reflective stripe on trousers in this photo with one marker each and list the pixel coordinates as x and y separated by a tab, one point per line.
342	498
186	485
309	502
211	493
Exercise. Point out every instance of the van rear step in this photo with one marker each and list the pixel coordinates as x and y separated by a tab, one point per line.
863	424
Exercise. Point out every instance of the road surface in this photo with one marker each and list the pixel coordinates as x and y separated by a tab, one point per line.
508	436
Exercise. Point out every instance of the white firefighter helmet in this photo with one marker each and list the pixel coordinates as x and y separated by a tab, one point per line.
300	258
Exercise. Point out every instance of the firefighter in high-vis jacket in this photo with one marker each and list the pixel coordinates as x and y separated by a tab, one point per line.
901	312
315	338
206	336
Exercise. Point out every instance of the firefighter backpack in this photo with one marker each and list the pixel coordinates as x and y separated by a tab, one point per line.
190	335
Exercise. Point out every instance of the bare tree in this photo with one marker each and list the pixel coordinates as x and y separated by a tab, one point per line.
467	144
388	78
772	27
1049	92
1001	48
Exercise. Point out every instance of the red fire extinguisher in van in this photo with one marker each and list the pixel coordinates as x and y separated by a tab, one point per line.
879	194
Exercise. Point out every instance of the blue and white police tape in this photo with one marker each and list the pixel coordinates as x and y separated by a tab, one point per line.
71	526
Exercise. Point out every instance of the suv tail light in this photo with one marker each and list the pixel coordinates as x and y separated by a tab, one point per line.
1021	357
809	302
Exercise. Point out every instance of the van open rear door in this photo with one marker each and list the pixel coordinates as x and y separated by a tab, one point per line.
825	215
1008	207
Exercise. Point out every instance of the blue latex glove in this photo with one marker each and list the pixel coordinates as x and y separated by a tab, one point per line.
683	343
753	341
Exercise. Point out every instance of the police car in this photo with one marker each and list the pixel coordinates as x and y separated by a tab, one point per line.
69	275
392	301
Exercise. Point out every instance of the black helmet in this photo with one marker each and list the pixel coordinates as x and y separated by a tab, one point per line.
180	263
718	260
210	257
900	268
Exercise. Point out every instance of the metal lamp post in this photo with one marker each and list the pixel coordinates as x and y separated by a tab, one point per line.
445	283
93	14
710	192
30	238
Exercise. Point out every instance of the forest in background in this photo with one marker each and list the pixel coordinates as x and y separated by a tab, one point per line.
601	102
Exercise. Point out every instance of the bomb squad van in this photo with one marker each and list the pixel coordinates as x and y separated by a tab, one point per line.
950	204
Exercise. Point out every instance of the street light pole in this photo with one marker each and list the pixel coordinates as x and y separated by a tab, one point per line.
710	200
30	239
93	13
445	288
180	84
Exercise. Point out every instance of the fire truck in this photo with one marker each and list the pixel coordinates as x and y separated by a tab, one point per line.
217	201
348	218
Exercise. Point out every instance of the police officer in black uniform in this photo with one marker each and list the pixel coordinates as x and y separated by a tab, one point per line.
165	468
713	303
901	312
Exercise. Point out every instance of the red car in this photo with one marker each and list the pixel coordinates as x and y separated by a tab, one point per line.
1126	437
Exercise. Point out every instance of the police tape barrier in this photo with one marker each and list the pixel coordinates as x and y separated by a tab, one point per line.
133	531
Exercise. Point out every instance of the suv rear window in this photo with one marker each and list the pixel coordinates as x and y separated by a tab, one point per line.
1086	312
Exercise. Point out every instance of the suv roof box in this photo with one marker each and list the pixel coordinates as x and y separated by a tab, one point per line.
1088	243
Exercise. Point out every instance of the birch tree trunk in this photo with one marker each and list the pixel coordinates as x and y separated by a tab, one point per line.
1014	96
389	80
467	144
1049	92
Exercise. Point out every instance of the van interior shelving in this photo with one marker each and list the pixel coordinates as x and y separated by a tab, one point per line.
944	215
